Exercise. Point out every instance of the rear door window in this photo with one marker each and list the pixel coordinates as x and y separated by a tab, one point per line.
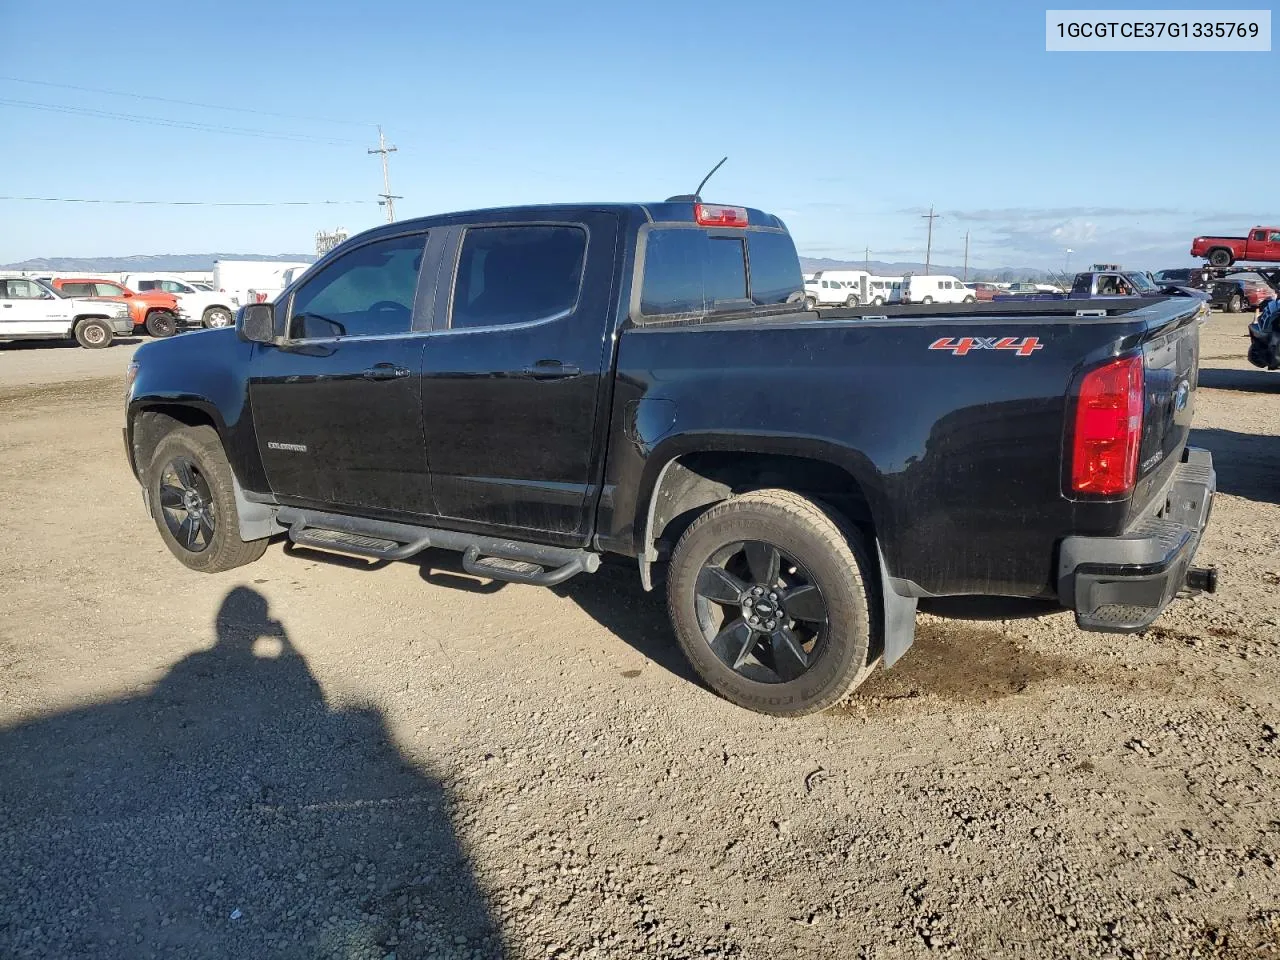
517	274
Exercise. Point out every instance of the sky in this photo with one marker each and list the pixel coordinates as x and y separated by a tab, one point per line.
847	120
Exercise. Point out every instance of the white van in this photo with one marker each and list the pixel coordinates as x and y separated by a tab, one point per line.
935	288
880	290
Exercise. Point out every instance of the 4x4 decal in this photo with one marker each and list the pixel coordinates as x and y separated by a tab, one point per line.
1022	346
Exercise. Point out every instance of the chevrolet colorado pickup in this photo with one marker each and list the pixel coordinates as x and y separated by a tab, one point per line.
537	387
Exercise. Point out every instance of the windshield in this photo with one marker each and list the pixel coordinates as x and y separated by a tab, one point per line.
51	289
1140	280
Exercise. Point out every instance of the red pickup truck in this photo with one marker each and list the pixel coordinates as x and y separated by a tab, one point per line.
153	310
1262	244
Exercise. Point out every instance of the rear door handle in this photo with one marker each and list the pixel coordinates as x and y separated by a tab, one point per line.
551	370
385	371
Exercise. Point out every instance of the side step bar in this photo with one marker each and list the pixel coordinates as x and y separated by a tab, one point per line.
492	557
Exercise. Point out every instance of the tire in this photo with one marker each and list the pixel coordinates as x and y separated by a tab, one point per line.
814	549
207	540
94	333
1235	303
1220	257
927	300
878	302
970	299
161	324
851	301
218	317
810	303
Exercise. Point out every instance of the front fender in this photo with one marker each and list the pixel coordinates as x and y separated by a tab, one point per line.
206	372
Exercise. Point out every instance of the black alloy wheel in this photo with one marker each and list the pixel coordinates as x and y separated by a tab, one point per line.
760	612
187	505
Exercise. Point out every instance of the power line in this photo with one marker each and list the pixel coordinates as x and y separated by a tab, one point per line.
166	122
184	103
194	203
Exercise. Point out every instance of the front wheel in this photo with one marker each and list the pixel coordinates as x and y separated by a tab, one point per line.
878	302
927	300
970	299
161	323
810	303
1235	304
218	317
768	595
191	493
94	333
851	300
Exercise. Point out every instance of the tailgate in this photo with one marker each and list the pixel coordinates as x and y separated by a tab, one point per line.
1172	362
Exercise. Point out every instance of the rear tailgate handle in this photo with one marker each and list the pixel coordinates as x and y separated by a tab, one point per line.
551	370
385	371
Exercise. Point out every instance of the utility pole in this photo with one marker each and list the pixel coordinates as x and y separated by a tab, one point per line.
928	250
866	255
966	256
388	198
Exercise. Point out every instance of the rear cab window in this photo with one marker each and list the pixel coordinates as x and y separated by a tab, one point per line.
692	270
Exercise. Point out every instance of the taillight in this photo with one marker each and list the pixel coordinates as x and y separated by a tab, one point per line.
717	215
1108	428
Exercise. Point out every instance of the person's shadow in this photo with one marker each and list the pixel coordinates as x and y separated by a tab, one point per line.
230	812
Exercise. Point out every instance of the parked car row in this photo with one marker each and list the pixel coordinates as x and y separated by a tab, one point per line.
95	311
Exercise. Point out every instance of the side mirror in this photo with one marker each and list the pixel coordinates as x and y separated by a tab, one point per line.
257	323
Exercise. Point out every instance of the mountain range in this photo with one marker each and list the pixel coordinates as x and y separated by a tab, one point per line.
149	263
881	268
179	262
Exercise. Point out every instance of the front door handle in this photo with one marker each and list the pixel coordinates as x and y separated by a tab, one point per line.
385	371
551	370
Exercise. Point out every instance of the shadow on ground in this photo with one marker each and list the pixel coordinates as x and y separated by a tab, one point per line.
1246	381
1247	464
229	812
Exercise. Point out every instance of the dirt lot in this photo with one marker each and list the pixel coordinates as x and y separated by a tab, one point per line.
310	758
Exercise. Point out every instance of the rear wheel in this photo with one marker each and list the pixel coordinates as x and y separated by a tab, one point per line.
94	333
191	493
768	594
927	300
218	317
1220	258
1235	304
161	323
878	302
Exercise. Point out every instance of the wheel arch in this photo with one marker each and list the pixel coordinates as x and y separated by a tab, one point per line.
151	420
696	473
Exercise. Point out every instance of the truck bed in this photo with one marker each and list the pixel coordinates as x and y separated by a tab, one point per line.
950	418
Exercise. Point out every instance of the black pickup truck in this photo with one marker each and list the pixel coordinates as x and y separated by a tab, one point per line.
537	387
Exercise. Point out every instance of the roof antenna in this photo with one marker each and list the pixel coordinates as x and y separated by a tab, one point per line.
696	196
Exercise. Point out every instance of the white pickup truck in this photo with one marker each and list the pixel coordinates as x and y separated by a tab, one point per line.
212	308
33	310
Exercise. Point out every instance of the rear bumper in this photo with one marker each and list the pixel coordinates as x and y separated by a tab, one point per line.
1121	584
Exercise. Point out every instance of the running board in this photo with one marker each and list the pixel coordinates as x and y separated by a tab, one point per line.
493	557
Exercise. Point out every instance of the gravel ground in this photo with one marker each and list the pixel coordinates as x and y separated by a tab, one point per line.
319	758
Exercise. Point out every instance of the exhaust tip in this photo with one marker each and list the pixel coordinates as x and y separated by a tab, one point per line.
1203	578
